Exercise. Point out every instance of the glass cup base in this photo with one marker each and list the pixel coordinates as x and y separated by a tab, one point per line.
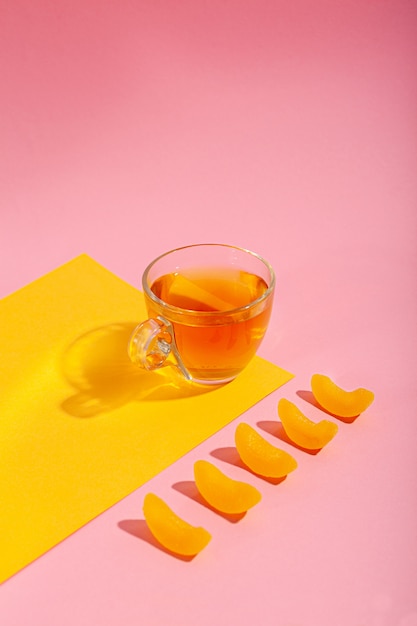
216	382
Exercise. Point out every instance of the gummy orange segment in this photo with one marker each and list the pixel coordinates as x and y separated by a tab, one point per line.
338	401
303	431
222	492
183	286
174	533
261	456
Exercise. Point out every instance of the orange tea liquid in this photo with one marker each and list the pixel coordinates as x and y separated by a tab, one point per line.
215	340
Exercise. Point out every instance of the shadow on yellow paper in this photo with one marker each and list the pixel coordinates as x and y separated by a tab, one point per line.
98	367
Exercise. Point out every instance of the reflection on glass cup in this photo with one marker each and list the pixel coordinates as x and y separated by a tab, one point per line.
208	307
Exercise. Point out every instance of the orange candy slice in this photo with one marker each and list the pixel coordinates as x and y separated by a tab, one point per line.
222	492
261	456
336	400
174	533
303	431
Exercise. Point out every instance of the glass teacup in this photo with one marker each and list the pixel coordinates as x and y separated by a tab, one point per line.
209	306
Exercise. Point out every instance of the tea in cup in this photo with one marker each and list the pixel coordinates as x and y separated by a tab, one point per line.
209	306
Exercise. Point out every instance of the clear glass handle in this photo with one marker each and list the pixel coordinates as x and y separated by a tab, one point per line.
152	342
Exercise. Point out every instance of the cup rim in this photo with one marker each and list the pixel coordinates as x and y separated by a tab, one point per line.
208	314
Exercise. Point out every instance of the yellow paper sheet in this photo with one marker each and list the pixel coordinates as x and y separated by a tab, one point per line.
80	426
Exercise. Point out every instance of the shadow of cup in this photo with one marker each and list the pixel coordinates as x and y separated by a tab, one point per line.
97	365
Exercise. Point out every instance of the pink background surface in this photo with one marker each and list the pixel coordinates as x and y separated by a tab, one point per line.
128	128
